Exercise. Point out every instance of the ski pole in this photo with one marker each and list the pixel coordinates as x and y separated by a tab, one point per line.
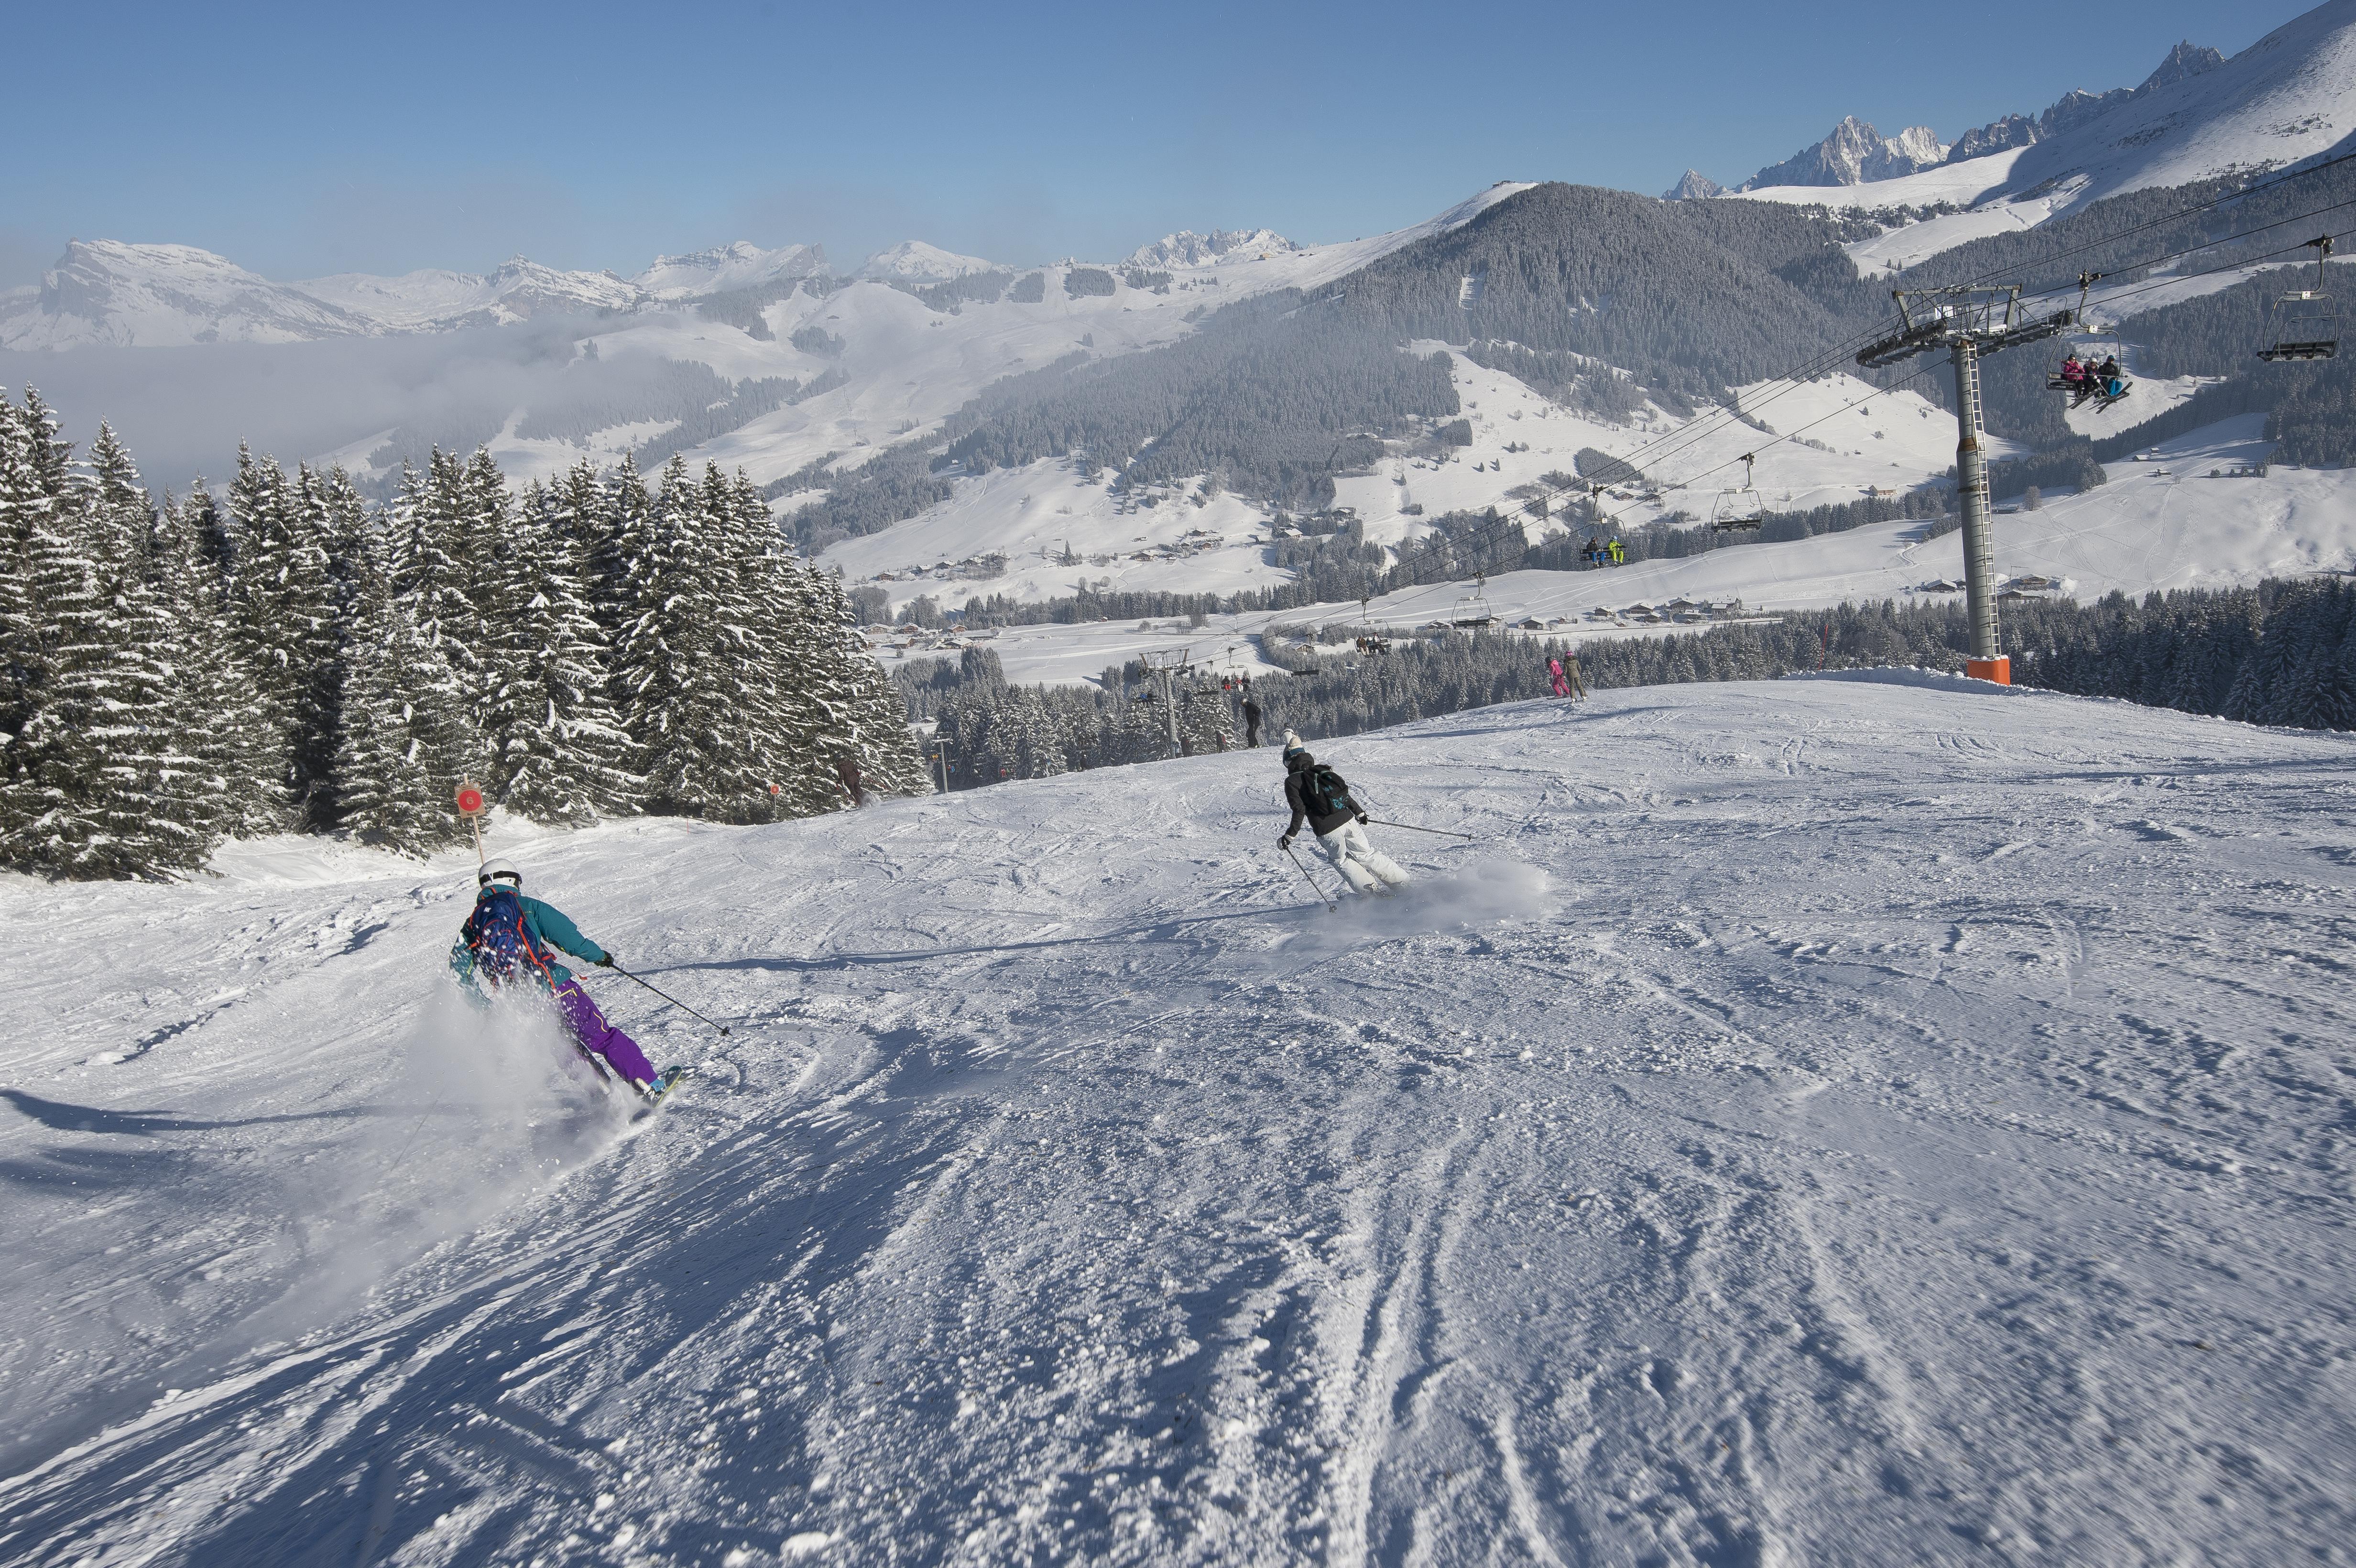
1411	827
1305	877
667	997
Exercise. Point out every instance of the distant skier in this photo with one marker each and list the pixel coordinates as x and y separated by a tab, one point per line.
1573	683
1318	794
1251	719
1554	671
509	936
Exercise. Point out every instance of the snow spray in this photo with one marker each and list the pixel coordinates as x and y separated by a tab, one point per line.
1481	892
486	1107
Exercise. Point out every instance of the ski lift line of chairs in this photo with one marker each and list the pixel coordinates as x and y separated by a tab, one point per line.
2090	372
1739	511
2302	325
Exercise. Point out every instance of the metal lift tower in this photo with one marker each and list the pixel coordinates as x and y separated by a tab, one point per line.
1165	663
1971	321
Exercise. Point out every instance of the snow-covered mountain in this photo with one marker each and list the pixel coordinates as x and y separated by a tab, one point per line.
106	293
742	265
437	301
1695	187
2289	96
1853	155
1188	249
914	261
2072	109
112	293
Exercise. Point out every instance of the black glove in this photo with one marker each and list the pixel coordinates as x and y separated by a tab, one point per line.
607	962
1284	841
1364	818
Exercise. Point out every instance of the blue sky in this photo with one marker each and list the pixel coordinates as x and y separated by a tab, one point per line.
303	140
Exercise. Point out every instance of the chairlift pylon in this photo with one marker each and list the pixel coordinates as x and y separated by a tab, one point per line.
2302	325
2094	371
1739	511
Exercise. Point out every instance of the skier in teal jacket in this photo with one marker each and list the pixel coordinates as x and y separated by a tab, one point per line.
509	936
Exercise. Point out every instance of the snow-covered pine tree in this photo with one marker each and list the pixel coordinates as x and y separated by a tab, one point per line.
675	672
871	718
624	534
559	755
228	721
54	649
155	808
407	735
439	569
282	609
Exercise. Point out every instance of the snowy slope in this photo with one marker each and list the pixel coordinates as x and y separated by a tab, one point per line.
1843	1122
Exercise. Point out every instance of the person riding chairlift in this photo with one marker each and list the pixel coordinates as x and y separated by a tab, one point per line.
2108	379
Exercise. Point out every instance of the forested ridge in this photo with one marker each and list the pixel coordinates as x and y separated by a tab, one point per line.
1602	298
2283	653
290	657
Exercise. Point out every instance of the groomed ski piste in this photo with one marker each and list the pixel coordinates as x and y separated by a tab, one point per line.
1863	1119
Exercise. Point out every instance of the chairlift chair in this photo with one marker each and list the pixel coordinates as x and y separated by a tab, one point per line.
2092	348
2302	325
1739	511
1473	612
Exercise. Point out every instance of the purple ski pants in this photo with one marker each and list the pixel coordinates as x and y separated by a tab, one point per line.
589	1028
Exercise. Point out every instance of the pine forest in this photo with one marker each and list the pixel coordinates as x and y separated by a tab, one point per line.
283	656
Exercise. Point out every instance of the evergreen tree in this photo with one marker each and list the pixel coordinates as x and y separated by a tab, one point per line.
406	739
153	807
560	754
55	658
284	614
670	663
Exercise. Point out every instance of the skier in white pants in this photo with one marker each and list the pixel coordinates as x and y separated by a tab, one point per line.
1316	793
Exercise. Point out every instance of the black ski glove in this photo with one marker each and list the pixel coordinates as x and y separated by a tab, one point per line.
1364	818
607	962
1284	841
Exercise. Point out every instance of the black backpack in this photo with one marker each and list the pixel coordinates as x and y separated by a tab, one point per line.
1323	792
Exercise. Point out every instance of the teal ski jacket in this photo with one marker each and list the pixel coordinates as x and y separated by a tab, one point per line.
547	927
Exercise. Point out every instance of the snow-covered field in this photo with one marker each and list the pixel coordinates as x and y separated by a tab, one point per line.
2159	524
1833	1121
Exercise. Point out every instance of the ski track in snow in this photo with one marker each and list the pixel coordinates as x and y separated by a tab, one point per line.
1830	1121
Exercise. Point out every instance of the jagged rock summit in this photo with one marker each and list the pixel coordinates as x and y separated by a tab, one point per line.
1853	155
2076	108
1695	187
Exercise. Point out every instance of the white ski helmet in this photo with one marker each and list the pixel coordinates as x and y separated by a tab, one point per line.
494	870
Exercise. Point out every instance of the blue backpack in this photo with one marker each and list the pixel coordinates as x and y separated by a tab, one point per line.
500	938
